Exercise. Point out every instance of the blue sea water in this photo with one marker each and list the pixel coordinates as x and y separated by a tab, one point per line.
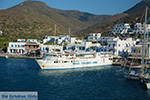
99	83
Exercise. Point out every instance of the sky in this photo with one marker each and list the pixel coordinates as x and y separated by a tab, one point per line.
98	7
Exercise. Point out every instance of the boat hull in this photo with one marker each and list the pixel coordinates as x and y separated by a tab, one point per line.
52	66
148	85
60	68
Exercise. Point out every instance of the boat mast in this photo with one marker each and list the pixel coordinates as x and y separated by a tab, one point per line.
146	53
69	35
55	32
144	42
55	37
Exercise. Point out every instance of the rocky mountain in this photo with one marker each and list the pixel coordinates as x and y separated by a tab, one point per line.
35	19
138	7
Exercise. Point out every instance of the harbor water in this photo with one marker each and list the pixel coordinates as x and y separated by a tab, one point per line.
98	83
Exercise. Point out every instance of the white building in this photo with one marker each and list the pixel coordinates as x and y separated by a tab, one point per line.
51	48
81	47
136	50
50	39
139	28
63	39
16	48
119	46
121	29
104	39
73	40
125	28
76	47
94	36
32	40
21	40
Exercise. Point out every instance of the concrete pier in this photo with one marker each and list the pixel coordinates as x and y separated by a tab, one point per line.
19	56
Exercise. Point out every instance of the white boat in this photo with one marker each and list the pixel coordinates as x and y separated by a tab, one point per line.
62	62
132	75
133	65
145	72
146	79
148	85
6	56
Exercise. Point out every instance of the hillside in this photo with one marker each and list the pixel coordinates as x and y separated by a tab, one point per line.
103	26
133	15
35	19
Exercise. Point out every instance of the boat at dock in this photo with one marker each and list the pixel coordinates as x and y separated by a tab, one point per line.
74	61
138	67
117	60
148	85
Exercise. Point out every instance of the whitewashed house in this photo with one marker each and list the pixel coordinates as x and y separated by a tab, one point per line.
76	47
21	40
136	50
32	40
16	48
121	29
73	40
81	47
57	39
119	46
139	28
50	39
104	39
63	39
50	48
94	36
126	28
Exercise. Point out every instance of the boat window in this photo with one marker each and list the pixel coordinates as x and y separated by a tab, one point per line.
56	62
139	51
65	61
110	59
95	62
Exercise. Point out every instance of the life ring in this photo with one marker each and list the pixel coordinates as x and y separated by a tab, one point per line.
43	66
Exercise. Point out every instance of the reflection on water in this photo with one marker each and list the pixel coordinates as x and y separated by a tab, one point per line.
97	83
148	93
